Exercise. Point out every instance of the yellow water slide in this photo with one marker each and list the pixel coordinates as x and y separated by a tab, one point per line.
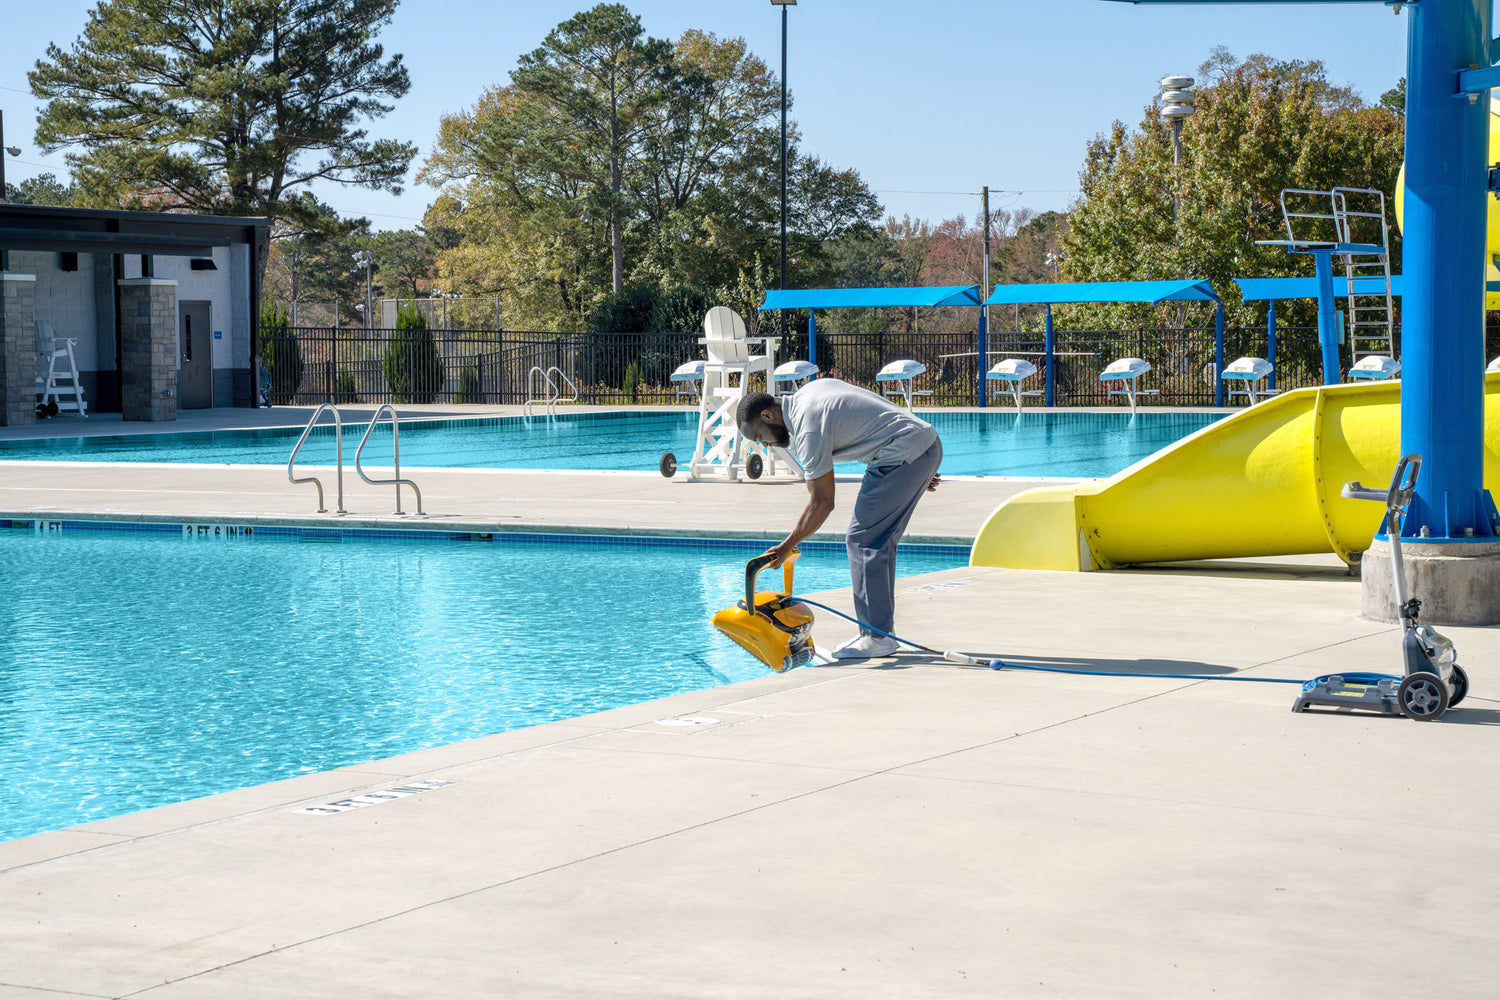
1263	482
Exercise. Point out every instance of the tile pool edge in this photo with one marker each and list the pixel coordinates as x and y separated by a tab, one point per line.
467	530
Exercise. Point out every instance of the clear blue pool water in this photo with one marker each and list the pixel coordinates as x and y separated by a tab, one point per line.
140	669
993	443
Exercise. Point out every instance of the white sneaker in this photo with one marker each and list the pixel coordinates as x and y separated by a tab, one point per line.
864	646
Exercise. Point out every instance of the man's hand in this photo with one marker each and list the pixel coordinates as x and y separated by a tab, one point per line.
937	480
780	553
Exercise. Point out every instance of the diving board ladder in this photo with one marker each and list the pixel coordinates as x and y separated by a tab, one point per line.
1351	222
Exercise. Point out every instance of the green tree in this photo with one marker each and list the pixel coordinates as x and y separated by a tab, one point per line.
312	260
43	189
1261	126
223	108
405	258
594	86
279	351
412	367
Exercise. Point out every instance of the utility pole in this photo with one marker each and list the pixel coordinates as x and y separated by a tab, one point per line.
984	293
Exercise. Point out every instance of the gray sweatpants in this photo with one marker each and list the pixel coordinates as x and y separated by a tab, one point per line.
887	498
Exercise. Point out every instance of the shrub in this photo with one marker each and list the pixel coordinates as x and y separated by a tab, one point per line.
279	350
344	390
413	370
469	389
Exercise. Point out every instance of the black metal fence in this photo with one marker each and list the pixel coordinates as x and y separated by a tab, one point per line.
309	365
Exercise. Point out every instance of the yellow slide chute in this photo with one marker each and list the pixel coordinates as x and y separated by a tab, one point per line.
1263	482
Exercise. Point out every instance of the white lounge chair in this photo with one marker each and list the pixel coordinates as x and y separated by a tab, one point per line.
1374	368
1247	377
790	375
901	375
1013	372
1127	372
1493	366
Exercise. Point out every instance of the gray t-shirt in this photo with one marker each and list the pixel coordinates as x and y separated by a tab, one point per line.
832	421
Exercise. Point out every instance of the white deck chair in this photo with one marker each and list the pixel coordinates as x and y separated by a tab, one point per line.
1375	367
901	376
1013	372
1247	376
789	376
719	449
1127	371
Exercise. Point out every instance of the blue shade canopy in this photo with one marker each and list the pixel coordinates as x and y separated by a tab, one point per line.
1103	291
1260	289
869	298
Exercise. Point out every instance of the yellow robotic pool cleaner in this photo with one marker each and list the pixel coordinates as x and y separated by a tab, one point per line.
775	627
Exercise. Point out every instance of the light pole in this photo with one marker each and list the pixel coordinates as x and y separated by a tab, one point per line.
783	4
1177	106
363	259
16	151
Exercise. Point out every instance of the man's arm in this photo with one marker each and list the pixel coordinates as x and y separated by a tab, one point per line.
819	506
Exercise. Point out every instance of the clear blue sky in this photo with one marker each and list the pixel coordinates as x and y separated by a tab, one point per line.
929	100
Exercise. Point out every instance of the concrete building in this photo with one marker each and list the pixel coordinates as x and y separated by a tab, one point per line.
161	308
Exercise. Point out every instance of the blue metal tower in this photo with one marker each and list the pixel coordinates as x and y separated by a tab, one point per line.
1448	77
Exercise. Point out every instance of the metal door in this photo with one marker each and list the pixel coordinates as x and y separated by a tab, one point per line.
195	374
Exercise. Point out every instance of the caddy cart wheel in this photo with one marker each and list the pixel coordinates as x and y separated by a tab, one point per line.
754	466
1423	697
1460	685
668	465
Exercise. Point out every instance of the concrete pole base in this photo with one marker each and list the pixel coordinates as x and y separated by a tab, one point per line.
1458	583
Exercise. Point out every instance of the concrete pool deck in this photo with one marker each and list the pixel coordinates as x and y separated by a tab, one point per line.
898	828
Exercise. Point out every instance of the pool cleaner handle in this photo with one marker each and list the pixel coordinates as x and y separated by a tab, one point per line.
753	568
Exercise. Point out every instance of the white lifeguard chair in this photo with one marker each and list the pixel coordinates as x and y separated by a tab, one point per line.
1246	376
1374	367
790	376
688	378
1012	373
1127	372
901	375
719	449
58	387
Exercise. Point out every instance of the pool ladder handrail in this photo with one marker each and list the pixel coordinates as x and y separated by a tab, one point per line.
396	441
554	395
338	440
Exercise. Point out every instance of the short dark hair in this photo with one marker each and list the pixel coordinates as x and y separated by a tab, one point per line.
752	405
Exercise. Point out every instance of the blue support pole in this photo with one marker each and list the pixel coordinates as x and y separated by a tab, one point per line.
984	356
1442	347
1328	321
1050	347
1271	342
812	338
1219	354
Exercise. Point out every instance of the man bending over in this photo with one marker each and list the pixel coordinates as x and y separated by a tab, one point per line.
828	421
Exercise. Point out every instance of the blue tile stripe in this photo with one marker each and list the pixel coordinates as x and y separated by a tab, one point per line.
232	529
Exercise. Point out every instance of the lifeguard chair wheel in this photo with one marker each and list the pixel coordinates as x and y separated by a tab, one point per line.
668	465
52	408
754	466
1460	685
1422	697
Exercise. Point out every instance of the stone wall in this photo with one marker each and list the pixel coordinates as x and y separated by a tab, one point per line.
148	348
17	349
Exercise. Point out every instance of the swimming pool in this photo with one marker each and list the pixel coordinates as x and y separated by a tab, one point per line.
989	443
145	667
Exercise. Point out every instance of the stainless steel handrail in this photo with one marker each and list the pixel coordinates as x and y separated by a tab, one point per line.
531	387
338	440
557	393
396	440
